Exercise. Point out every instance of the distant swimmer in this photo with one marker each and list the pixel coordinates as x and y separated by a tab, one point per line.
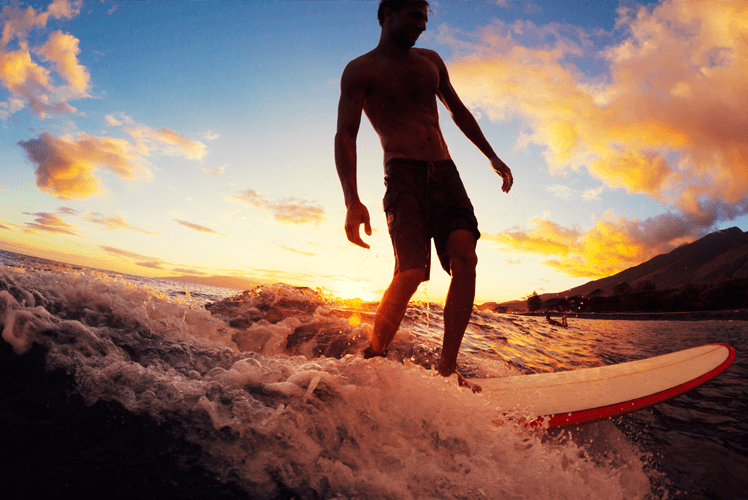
556	323
397	85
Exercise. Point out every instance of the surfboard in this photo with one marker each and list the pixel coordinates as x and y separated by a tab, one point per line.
572	398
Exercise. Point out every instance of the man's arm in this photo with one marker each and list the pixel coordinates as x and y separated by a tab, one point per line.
466	122
349	118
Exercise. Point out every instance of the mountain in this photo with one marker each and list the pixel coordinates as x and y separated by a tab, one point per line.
719	256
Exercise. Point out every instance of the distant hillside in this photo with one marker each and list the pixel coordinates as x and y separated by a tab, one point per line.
719	256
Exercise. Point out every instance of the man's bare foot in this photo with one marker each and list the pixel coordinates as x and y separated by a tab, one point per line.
369	353
466	383
462	381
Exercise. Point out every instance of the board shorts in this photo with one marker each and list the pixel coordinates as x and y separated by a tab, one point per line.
424	200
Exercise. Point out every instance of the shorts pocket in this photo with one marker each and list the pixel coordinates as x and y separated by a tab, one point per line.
390	196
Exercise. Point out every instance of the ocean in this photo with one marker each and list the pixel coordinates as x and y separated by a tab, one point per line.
117	386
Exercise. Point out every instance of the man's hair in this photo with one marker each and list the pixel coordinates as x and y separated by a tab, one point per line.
395	5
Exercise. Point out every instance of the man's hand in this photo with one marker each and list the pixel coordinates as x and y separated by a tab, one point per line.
356	215
506	174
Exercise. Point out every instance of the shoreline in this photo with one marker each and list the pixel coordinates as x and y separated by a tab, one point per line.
728	315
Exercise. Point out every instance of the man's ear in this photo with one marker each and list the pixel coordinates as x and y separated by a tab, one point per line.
389	14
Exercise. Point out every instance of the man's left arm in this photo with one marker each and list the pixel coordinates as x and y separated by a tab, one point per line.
467	123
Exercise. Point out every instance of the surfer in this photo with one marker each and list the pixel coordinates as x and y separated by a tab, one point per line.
397	85
554	322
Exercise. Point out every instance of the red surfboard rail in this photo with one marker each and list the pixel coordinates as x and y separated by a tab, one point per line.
606	412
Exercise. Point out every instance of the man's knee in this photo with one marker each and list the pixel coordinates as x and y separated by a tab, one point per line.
463	263
462	257
409	279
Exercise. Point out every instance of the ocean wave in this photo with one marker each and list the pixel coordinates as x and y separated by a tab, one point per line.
269	387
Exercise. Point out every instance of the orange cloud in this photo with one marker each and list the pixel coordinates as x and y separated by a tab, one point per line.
66	167
51	223
184	270
151	262
162	141
17	21
215	171
112	222
29	83
199	228
61	50
293	250
666	120
290	210
612	245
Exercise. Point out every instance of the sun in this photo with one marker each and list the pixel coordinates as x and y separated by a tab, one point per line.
353	290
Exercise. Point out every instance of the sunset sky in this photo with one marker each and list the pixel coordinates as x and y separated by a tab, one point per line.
196	137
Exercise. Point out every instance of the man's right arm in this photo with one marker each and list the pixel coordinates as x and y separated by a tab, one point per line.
351	104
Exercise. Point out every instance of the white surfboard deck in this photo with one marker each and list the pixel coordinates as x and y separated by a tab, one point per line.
567	399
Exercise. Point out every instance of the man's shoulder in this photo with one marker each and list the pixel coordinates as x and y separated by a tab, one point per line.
363	59
429	54
358	66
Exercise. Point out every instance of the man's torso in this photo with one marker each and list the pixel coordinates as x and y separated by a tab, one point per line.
400	102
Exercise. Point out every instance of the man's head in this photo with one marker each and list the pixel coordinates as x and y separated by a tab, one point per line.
396	5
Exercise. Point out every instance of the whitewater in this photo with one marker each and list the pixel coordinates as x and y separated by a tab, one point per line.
126	387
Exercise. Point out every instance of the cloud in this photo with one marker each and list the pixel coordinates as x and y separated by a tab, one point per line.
113	222
61	50
30	83
210	136
184	270
215	171
197	227
66	167
293	250
17	22
612	245
667	117
592	194
140	260
290	210
151	264
51	223
567	193
563	192
162	141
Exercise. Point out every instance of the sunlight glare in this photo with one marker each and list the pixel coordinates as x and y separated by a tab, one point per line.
353	290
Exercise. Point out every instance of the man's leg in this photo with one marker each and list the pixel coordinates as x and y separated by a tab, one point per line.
392	308
459	306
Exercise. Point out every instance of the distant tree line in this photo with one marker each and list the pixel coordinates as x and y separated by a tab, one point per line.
644	297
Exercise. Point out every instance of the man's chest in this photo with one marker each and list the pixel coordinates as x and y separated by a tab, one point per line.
401	83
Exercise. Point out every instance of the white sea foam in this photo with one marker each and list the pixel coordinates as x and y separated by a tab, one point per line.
313	419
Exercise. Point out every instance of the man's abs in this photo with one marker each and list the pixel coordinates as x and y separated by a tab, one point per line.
411	138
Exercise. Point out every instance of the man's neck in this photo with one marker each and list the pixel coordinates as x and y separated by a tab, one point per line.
387	47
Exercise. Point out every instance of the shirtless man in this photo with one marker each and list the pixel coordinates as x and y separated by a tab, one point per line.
396	85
